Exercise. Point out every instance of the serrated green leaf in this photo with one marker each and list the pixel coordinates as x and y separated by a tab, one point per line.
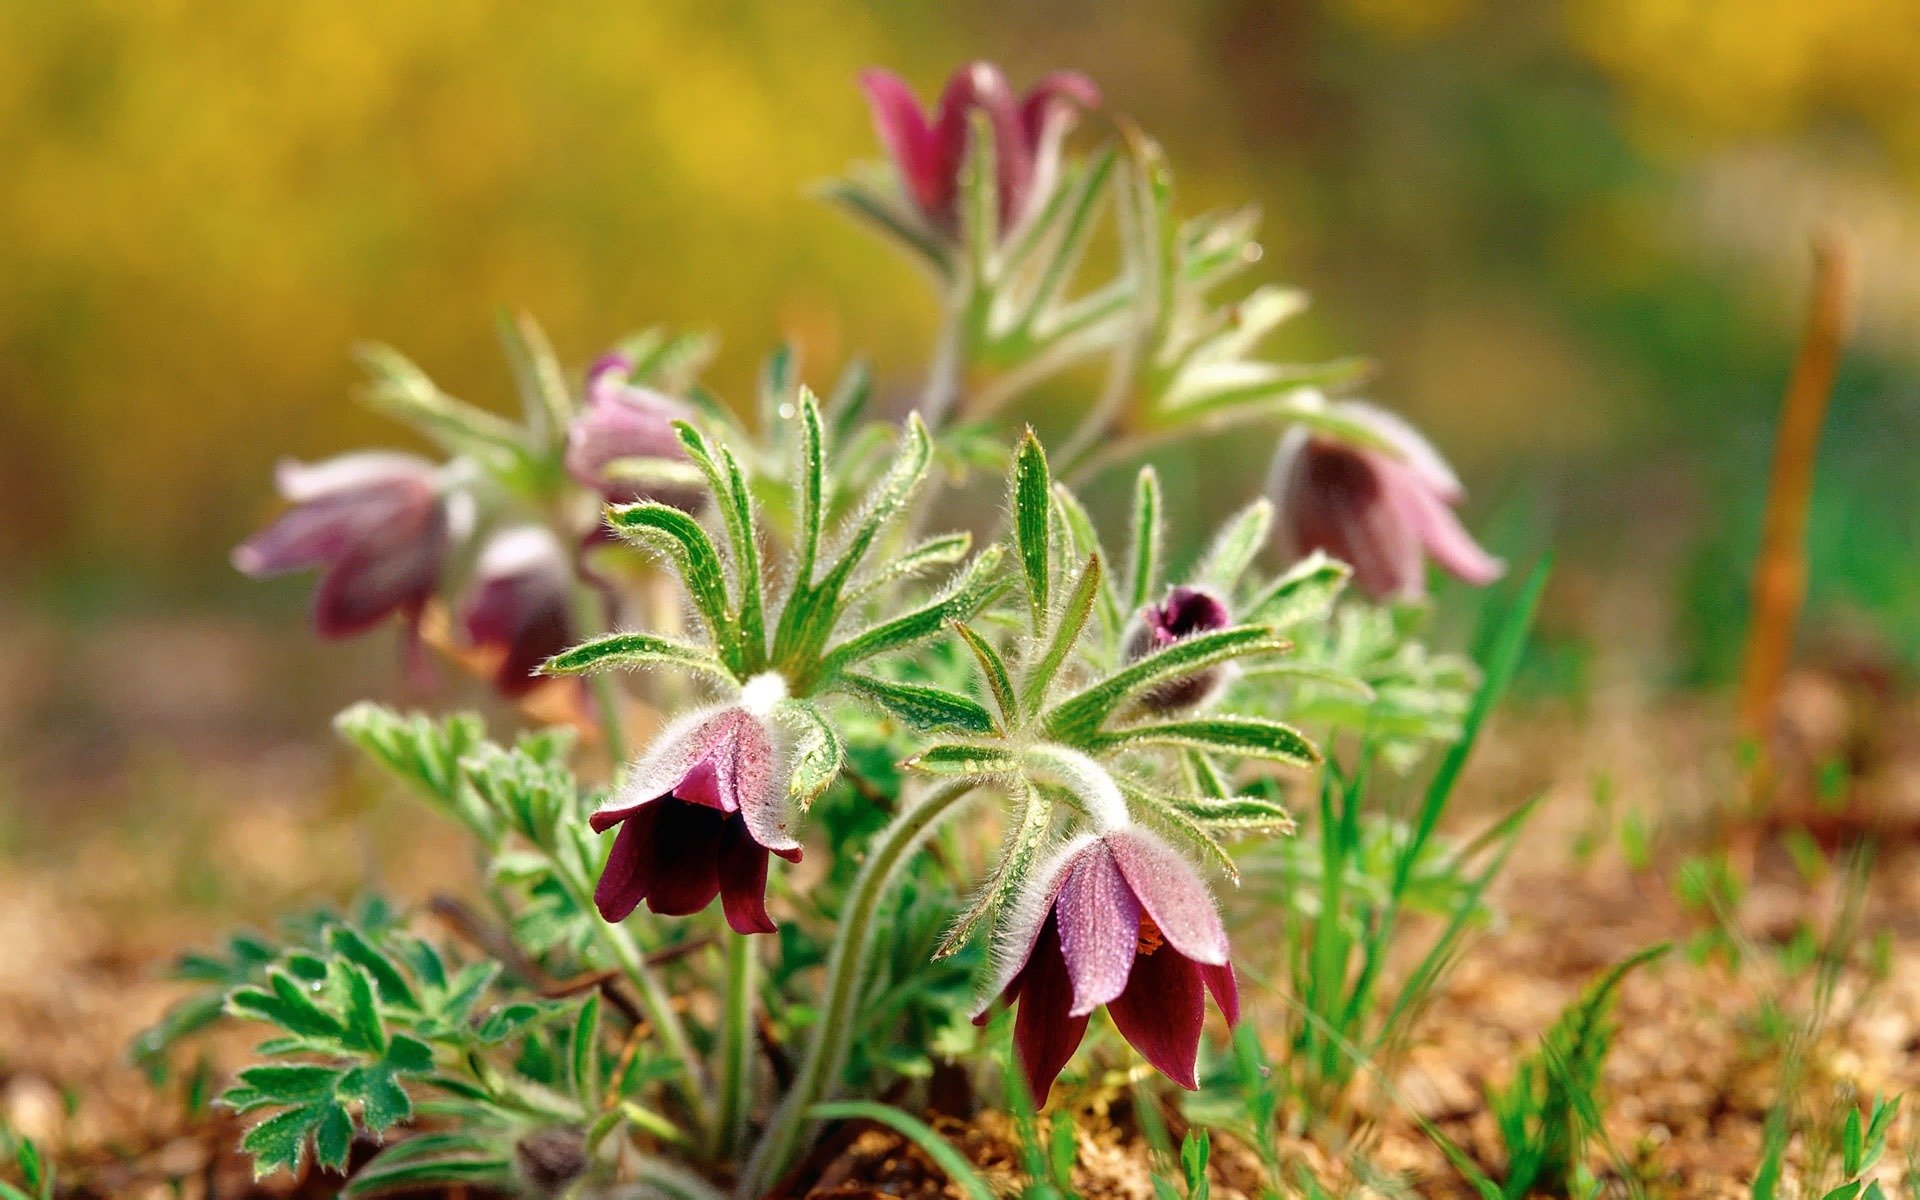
633	649
285	1003
1032	489
994	670
1233	551
1247	737
283	1083
364	1029
652	524
1305	592
392	983
963	759
279	1143
817	753
921	706
333	1137
1072	622
1080	715
1149	532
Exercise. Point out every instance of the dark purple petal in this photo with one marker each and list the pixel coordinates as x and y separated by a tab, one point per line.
1225	986
1017	930
686	858
903	130
1099	925
364	589
1045	1032
628	875
743	884
1331	497
521	604
1161	1014
1185	612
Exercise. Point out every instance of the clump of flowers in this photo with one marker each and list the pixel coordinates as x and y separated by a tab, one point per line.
841	675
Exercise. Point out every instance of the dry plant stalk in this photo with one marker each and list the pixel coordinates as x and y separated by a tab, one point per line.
1780	571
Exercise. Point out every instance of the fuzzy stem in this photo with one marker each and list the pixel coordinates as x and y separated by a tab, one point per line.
736	1045
654	1001
846	976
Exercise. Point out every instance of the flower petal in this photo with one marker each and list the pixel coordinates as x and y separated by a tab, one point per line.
1225	986
686	858
1172	893
1017	928
1161	1014
903	130
1440	531
757	777
628	875
1046	1033
743	882
981	85
1099	923
1414	449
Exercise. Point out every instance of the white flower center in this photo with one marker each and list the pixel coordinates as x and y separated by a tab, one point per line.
760	694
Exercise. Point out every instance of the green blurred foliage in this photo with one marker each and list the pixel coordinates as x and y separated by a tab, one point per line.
1522	209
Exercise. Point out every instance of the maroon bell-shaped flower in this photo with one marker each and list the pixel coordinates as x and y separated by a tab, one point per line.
1116	918
622	421
699	815
521	604
929	148
1381	511
378	525
1185	612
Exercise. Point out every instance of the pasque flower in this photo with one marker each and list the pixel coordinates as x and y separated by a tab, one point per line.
1185	612
378	525
622	421
929	148
699	815
521	604
1115	918
1381	511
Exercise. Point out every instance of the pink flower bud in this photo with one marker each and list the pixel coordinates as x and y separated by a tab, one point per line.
1119	919
378	526
1185	612
930	148
621	421
521	604
1380	511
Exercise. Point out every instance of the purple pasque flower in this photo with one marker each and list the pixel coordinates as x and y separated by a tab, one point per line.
929	148
379	525
521	604
1186	611
1380	511
623	421
699	815
1115	918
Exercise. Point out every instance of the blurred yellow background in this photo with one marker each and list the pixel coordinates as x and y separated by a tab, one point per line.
1573	233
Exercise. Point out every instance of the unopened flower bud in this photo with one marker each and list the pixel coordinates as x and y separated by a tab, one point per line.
1185	612
521	604
621	421
550	1160
929	149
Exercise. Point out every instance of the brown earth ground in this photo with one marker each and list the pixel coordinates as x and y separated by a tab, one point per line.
152	827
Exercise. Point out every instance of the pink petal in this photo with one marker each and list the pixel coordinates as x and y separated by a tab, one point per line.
1440	531
1412	446
701	785
1161	1014
757	775
1172	893
1017	929
903	130
1046	1033
1056	92
1099	923
981	85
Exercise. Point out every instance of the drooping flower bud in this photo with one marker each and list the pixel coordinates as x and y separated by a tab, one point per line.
1116	918
1380	511
698	817
930	148
1185	612
521	604
620	422
550	1160
378	525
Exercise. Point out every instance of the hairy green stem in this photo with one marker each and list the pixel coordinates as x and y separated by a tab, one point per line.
736	1044
846	976
654	1002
